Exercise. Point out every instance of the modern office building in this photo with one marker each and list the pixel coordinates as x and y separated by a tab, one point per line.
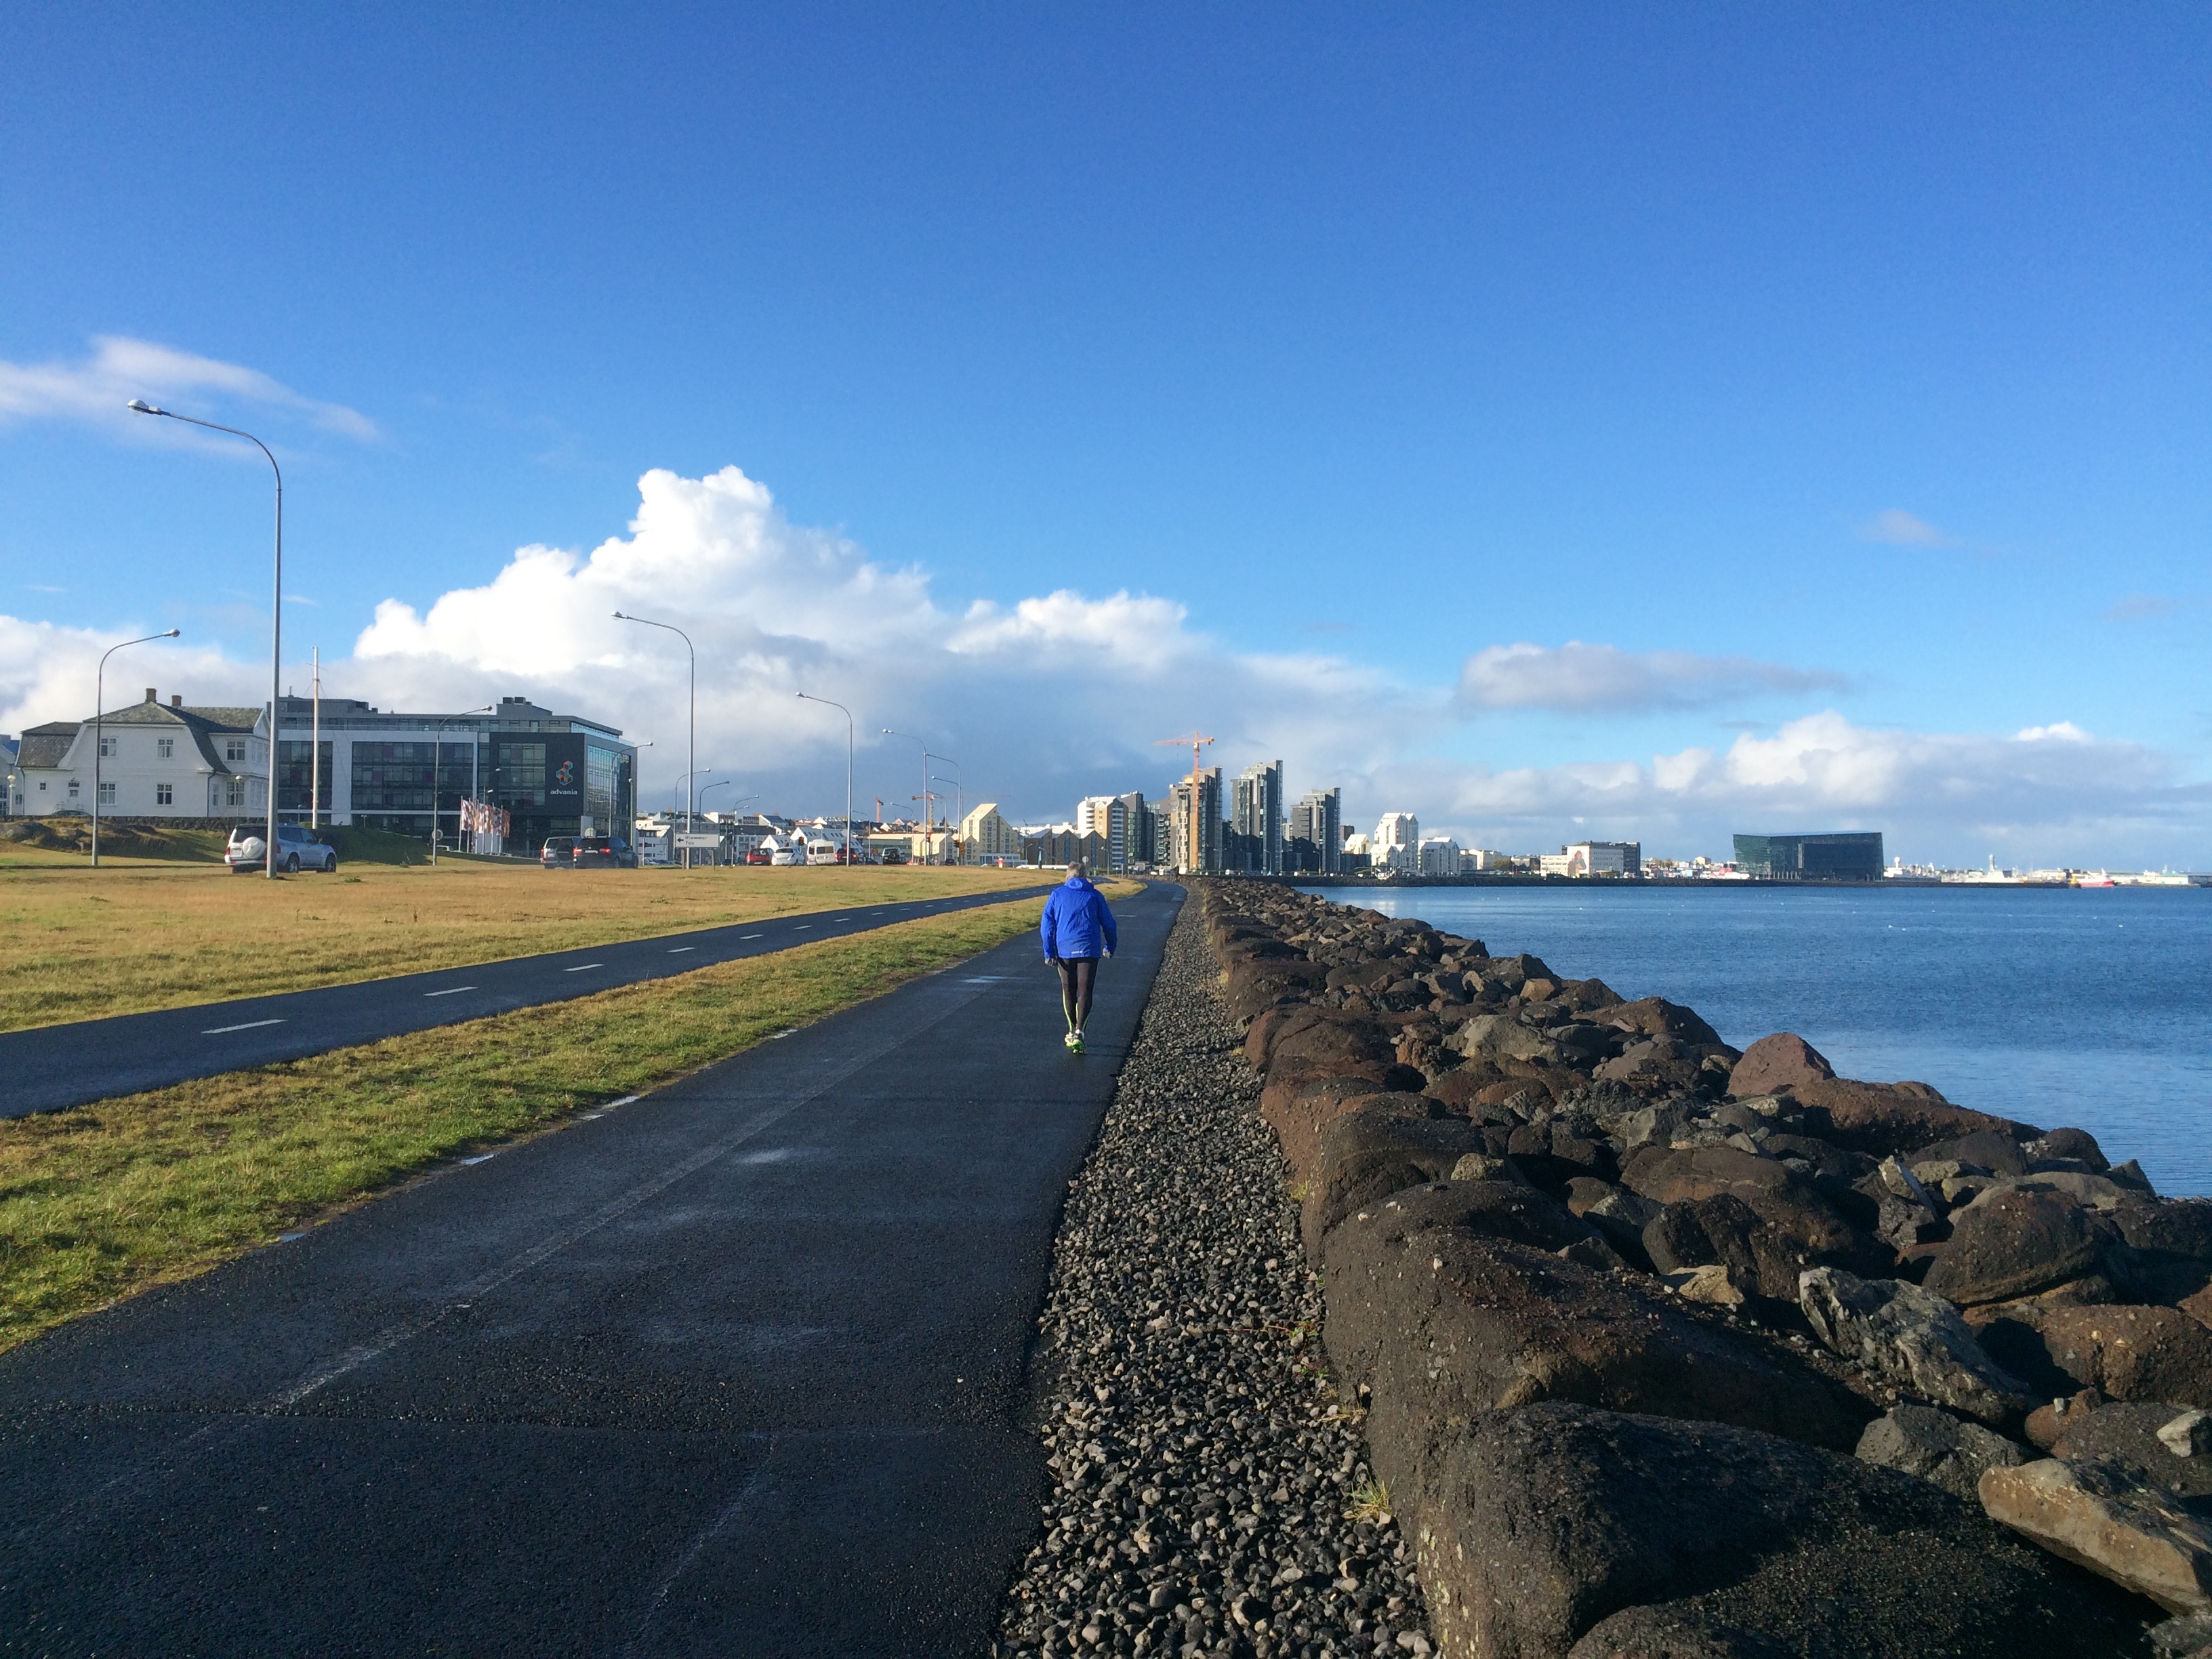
985	833
1604	857
1255	845
1108	817
1396	842
1316	838
1438	855
557	775
1848	855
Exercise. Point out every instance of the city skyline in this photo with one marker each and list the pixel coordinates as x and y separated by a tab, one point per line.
1567	428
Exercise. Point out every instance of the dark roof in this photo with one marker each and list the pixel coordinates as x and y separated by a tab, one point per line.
48	745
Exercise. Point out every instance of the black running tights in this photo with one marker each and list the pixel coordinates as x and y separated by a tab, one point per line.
1077	976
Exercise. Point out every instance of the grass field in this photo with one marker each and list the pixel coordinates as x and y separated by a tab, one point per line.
138	935
105	1199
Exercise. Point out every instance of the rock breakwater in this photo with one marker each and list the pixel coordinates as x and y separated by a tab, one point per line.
1668	1348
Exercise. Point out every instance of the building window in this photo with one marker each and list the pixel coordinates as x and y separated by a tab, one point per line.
233	791
42	785
163	796
72	788
233	749
107	794
166	748
107	749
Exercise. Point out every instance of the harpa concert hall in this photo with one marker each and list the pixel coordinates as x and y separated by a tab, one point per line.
1854	855
557	775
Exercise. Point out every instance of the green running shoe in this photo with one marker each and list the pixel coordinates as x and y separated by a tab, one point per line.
1075	1042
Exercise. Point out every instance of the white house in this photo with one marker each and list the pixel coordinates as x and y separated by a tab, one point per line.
156	760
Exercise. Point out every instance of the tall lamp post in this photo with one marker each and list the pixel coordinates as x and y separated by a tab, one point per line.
958	794
646	621
927	814
140	406
848	714
437	754
99	730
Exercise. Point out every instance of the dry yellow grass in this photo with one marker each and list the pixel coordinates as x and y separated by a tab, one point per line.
135	935
106	1199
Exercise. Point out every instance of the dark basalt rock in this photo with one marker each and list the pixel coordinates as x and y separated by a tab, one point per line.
1384	1144
1774	1063
1938	1447
2127	1432
2016	1243
1561	1530
2129	1353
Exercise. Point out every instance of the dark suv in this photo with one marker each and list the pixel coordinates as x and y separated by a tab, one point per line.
588	852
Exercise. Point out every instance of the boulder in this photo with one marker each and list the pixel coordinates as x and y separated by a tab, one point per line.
1500	1036
1619	1214
1889	1118
1386	1143
2189	1435
2129	1353
1765	1221
2173	1226
1298	1107
2017	1242
1655	1017
1938	1447
2101	1515
2133	1432
2078	1144
1985	1149
1443	1323
1560	1530
1902	1333
1778	1062
2184	1636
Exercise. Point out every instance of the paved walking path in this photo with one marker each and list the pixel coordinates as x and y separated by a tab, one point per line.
49	1068
736	1370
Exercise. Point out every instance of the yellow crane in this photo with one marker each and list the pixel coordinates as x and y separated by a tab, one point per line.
1194	848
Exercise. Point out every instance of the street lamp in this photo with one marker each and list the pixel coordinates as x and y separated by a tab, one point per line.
647	621
953	839
927	814
848	714
957	802
140	406
437	753
99	732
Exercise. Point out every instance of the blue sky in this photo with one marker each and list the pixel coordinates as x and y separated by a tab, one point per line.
1832	383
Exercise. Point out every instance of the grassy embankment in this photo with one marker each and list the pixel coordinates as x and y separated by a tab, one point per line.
106	1199
139	934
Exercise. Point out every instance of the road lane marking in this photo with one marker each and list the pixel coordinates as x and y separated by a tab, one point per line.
802	927
747	936
681	948
583	967
454	992
250	1025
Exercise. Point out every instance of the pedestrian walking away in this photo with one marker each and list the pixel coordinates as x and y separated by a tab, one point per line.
1077	929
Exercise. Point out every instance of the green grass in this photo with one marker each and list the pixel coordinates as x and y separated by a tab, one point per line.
106	1199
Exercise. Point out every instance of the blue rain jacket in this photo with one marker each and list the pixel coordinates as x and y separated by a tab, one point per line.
1076	922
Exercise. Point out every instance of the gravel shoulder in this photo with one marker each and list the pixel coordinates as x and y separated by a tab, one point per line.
1212	1492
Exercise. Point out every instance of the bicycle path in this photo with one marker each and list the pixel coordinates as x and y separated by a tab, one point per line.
735	1370
50	1068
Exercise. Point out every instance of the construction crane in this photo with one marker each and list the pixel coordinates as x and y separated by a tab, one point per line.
1194	851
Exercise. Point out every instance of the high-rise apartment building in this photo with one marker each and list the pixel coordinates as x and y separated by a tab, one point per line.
1108	817
1316	838
1137	830
1197	823
1256	819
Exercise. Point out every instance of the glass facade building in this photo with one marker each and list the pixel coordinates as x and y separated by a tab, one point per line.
1851	856
557	775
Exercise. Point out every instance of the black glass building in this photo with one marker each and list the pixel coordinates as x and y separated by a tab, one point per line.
1846	855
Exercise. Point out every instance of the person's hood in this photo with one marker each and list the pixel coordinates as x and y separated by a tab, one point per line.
1077	881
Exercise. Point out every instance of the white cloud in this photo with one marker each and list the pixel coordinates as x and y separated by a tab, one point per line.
1576	677
1046	698
2056	788
1902	529
97	387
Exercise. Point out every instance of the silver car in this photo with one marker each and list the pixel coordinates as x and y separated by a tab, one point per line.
296	850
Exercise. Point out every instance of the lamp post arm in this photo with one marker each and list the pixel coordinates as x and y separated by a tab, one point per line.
100	727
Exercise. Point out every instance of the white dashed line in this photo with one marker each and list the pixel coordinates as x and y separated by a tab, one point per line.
451	992
479	1158
583	967
250	1025
681	948
802	927
747	936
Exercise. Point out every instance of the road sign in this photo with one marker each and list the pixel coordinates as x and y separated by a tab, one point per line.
699	843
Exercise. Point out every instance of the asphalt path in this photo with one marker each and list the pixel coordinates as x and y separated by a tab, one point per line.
50	1068
736	1369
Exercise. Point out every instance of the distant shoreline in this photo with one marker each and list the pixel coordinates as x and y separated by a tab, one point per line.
1684	884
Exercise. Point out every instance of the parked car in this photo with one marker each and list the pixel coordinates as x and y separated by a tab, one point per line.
760	855
587	853
297	850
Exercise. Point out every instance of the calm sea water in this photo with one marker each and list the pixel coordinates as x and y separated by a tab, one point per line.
2087	1007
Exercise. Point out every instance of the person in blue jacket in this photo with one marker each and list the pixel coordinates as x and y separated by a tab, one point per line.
1077	929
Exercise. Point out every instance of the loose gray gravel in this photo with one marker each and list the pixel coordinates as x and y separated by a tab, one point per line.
1213	1495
